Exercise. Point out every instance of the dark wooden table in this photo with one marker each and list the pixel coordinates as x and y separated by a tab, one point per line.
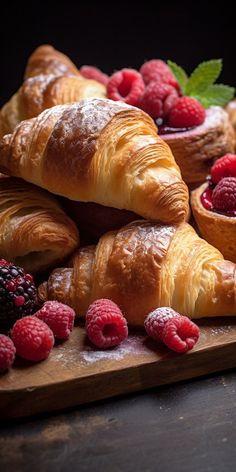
186	427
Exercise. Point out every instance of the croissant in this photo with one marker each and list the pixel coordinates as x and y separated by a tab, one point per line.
44	91
143	266
47	60
100	151
35	232
195	150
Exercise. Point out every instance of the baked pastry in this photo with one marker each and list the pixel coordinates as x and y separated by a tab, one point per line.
143	266
35	232
214	207
231	110
47	60
100	151
45	91
196	149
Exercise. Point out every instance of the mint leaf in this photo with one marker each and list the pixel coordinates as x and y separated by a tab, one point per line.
217	94
179	74
203	76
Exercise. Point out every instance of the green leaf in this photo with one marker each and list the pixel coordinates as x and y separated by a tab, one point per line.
217	94
203	76
179	74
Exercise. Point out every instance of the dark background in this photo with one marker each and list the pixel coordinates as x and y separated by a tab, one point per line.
117	34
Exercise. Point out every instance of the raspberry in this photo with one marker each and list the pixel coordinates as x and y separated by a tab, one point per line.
7	352
180	334
91	72
33	339
177	332
126	85
105	324
17	293
224	167
224	194
158	71
186	112
158	99
59	317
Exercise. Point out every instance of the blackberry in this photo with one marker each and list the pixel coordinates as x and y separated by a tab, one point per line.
18	295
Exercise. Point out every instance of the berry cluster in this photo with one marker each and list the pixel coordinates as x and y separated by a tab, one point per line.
221	194
107	327
32	336
155	90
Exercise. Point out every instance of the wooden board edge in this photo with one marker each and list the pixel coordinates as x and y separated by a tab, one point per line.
78	391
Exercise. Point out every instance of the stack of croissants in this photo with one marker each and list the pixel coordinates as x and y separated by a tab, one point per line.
74	162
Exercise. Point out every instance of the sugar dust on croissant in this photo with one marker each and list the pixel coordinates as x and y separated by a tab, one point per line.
143	266
99	151
35	231
45	91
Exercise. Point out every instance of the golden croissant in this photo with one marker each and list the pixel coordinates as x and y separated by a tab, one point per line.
101	151
35	232
45	91
47	60
143	266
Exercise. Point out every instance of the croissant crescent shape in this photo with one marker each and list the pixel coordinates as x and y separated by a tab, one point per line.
45	91
100	151
34	231
143	266
47	60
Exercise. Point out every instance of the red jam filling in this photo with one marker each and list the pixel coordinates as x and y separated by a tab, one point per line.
163	129
206	200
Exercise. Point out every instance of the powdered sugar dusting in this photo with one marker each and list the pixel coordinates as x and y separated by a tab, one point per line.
132	345
71	356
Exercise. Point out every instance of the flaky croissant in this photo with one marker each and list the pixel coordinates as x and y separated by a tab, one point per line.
100	151
34	230
143	266
47	60
45	91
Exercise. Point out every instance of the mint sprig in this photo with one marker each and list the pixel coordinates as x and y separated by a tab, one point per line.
200	84
179	74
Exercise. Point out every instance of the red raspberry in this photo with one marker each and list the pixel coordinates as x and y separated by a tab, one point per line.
59	317
158	99
105	324
158	71
91	72
224	194
33	339
224	167
186	112
7	352
126	85
177	332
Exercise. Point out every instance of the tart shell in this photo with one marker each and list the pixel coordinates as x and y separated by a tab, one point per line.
219	230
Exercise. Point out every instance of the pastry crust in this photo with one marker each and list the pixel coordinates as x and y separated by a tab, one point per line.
196	150
143	266
35	232
100	151
45	91
217	229
231	110
47	60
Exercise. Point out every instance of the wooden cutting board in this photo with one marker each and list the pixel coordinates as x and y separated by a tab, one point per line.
76	373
